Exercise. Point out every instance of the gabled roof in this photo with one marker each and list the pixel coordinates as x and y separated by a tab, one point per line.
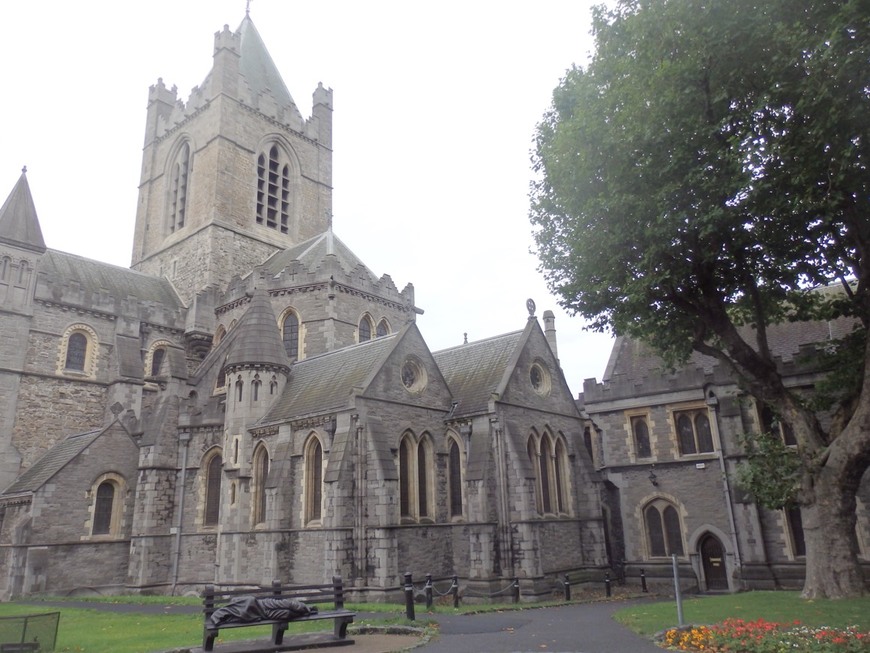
475	370
326	382
257	67
120	283
258	340
52	462
19	225
313	252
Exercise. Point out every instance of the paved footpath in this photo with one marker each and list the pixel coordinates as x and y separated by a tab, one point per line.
578	628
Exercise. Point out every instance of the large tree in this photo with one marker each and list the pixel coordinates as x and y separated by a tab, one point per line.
702	174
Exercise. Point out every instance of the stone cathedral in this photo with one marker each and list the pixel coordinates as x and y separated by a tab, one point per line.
248	401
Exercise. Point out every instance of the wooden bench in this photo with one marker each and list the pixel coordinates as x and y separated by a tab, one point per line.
311	595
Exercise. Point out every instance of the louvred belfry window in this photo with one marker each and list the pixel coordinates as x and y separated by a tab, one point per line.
273	190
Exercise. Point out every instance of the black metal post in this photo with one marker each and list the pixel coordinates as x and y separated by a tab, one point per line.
607	584
454	589
516	590
428	591
643	581
567	585
409	597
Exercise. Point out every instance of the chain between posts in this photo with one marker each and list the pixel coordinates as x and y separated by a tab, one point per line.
430	591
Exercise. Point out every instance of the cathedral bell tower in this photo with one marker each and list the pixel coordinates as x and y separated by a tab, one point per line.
233	175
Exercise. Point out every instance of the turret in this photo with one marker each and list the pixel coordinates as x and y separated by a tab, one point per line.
256	366
225	74
322	112
161	101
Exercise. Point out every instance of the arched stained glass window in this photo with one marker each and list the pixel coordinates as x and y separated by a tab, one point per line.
664	529
455	479
214	472
365	329
104	507
641	437
261	474
314	480
76	351
290	336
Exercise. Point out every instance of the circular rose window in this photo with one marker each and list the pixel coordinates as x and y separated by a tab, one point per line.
413	376
539	377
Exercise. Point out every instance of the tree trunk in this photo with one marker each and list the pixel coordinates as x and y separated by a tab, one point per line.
832	567
828	503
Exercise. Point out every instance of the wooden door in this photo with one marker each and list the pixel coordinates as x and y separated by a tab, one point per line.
713	560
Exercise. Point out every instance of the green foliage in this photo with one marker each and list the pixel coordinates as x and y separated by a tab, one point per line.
705	168
845	361
771	472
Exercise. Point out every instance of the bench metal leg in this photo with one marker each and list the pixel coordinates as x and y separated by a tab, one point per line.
208	641
340	627
278	633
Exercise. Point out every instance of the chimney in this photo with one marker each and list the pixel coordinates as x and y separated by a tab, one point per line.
550	331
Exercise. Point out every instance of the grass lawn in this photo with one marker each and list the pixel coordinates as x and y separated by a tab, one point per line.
782	607
100	631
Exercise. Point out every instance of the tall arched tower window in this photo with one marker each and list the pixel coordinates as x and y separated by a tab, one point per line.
178	188
273	190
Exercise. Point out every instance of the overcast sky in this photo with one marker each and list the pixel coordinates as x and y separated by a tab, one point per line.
435	108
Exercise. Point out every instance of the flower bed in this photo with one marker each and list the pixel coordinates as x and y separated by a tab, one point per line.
760	636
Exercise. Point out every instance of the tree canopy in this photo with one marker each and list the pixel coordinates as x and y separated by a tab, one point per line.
704	172
711	155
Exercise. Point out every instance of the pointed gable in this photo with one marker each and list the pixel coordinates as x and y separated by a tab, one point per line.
19	225
314	251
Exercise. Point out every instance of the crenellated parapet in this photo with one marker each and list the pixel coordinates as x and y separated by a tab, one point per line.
297	277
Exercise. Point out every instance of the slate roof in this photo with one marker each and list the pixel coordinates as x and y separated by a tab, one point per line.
19	225
257	67
325	382
475	370
95	276
258	339
52	462
631	359
313	251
